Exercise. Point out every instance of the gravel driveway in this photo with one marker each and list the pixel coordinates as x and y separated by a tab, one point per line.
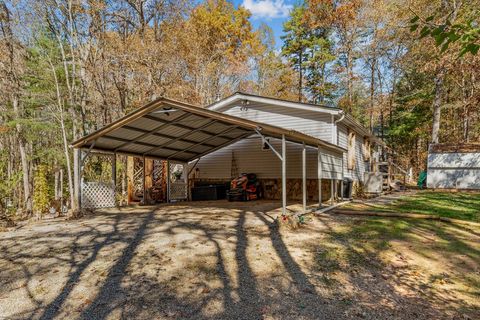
228	261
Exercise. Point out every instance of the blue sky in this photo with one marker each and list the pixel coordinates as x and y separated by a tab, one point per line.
271	12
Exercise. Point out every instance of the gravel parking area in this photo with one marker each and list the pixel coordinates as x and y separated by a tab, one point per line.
219	260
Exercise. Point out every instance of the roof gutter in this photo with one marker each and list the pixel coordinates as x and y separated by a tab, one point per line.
239	96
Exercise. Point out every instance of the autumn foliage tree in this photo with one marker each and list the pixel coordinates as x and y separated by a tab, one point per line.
218	44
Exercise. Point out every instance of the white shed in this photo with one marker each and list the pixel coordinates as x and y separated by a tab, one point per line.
454	166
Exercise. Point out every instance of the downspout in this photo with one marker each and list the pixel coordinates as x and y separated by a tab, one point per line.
341	118
337	143
335	133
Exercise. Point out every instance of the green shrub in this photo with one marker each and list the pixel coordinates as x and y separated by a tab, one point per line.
41	191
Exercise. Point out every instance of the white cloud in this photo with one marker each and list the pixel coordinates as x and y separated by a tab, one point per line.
269	9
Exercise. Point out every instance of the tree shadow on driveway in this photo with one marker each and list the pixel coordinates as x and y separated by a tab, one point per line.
206	261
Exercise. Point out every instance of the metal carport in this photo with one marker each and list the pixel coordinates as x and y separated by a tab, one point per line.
170	130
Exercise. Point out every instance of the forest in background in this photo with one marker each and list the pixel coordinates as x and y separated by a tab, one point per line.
406	69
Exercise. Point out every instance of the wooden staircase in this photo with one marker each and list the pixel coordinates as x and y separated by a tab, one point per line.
391	172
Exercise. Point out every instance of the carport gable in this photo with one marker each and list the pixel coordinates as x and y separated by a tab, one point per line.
172	130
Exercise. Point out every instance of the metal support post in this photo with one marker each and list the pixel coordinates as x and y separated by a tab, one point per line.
304	177
284	175
319	176
61	192
341	182
332	191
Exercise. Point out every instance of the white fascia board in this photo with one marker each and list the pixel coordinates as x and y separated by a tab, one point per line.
223	103
281	103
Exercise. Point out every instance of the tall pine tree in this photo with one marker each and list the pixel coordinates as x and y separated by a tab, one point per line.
309	51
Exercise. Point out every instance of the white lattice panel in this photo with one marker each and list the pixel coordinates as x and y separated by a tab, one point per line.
178	183
138	176
178	191
97	195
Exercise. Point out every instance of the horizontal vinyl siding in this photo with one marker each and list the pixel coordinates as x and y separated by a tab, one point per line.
312	123
331	165
453	170
455	160
250	158
343	142
360	161
358	173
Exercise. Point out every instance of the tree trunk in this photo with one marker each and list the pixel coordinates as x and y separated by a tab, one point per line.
437	105
57	182
68	161
466	123
322	85
66	152
76	179
349	80
391	100
372	92
27	193
14	78
467	95
300	69
439	79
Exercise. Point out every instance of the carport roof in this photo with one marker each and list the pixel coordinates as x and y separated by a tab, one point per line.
168	129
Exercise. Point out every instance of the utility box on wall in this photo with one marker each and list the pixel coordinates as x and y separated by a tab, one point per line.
373	182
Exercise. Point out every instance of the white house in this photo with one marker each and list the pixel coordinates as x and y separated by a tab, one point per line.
251	155
290	146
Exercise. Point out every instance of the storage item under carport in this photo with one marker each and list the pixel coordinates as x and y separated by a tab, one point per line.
245	188
210	192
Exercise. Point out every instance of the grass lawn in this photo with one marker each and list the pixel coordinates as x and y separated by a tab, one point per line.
463	206
431	256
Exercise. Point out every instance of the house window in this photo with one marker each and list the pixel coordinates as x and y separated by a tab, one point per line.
351	150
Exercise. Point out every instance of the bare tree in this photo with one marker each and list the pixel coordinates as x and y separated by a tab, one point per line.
12	69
